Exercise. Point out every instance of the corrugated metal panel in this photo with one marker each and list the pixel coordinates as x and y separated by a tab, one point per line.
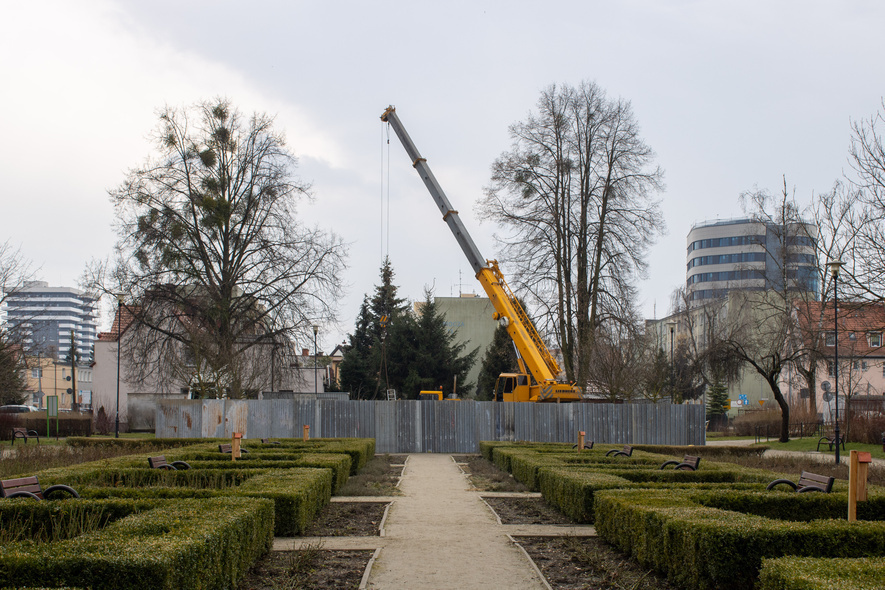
433	426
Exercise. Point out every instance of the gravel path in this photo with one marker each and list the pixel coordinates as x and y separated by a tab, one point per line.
441	535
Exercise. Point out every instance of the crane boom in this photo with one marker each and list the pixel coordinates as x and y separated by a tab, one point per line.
534	355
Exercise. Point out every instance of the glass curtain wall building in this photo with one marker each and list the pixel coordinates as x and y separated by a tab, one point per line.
749	254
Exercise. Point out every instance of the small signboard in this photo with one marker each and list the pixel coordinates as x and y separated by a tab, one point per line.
52	412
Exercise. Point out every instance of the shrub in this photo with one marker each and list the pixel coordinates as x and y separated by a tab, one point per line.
745	424
206	543
701	547
866	428
808	573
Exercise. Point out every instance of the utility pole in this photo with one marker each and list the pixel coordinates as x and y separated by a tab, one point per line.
74	405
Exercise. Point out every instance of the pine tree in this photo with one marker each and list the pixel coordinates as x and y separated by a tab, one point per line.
500	357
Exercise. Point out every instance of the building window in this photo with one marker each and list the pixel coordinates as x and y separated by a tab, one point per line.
36	373
830	369
863	365
875	339
852	336
830	339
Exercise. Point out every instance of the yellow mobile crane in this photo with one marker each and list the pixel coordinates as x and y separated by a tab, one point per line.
537	379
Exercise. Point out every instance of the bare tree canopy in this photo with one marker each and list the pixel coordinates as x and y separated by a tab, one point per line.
211	255
576	195
15	270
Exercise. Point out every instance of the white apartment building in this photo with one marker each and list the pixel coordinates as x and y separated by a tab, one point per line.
45	316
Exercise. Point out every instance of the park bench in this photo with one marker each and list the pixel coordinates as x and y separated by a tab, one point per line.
587	445
24	434
161	463
808	482
29	487
627	451
689	462
228	448
830	441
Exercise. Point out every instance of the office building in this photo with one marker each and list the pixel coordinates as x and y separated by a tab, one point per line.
749	254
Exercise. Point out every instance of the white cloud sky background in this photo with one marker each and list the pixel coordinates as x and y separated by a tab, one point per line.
730	95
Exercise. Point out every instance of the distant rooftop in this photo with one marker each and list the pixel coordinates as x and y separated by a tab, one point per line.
729	221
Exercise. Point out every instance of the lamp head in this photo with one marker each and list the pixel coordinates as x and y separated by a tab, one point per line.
834	266
315	330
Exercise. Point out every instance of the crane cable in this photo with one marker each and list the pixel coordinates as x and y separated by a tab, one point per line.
385	247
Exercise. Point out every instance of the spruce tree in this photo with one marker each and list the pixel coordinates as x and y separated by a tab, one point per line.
717	397
364	368
425	356
500	357
358	370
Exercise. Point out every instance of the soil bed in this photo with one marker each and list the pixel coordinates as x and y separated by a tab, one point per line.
379	477
526	511
307	569
588	562
348	519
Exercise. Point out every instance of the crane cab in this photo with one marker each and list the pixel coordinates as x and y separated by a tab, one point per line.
512	387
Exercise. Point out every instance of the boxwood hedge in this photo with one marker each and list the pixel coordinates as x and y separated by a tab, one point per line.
704	547
205	543
808	573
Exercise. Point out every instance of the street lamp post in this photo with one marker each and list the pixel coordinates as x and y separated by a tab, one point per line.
834	270
672	326
119	345
316	384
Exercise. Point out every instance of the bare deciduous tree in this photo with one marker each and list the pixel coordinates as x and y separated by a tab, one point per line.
576	195
15	270
211	252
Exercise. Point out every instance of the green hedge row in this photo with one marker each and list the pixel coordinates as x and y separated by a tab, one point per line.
133	443
201	544
298	494
808	573
705	548
572	489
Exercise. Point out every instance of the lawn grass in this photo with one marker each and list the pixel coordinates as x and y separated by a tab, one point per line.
804	445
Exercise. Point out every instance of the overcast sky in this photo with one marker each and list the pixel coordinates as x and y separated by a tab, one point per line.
731	95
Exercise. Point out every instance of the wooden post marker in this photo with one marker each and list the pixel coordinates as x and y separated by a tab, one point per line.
235	446
580	440
858	468
306	432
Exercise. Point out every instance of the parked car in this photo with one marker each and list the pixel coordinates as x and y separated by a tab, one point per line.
17	409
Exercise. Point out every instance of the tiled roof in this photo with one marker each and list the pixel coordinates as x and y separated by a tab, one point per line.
127	316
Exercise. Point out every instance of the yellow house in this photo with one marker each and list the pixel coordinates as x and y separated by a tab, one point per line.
46	376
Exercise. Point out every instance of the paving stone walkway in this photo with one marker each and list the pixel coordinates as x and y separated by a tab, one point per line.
440	534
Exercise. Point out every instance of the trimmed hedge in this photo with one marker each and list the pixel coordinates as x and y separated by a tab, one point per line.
200	544
704	450
706	548
572	489
808	573
135	444
298	494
